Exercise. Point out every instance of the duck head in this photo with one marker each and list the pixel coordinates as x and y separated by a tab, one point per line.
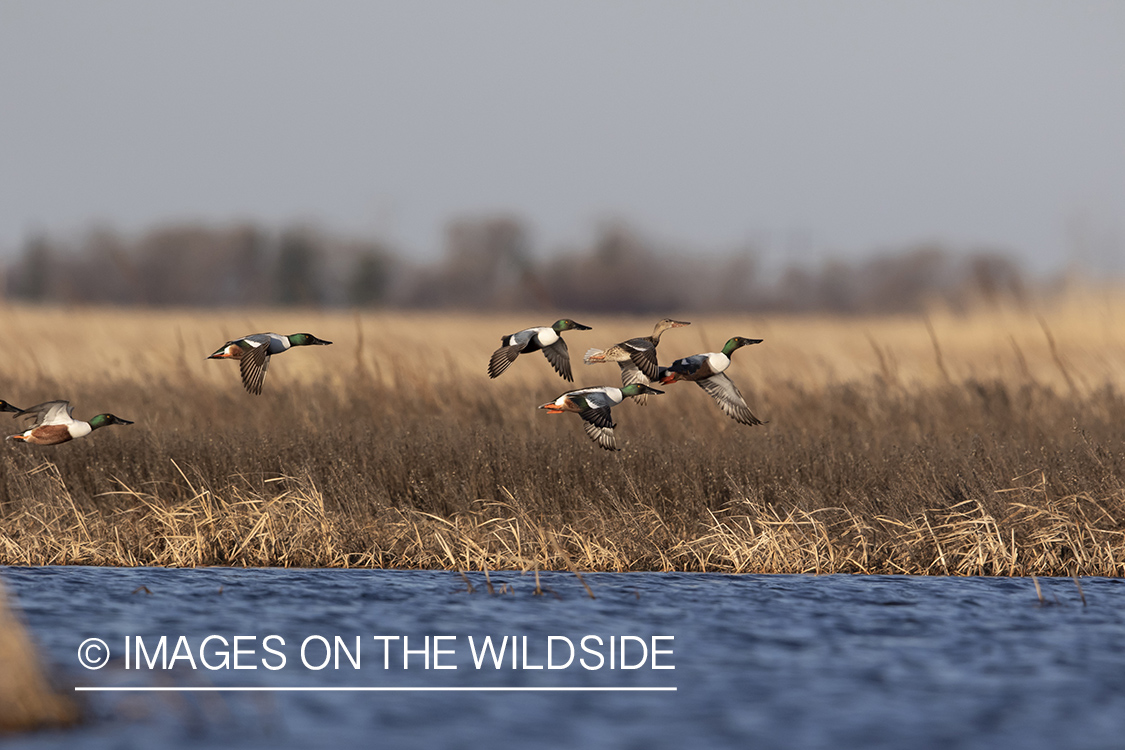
738	342
566	324
667	323
104	420
637	389
306	339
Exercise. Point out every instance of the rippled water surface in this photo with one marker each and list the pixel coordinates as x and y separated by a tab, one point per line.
760	661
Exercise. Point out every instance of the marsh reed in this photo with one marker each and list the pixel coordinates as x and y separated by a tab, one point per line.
983	444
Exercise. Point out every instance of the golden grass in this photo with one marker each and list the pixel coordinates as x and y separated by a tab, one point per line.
981	444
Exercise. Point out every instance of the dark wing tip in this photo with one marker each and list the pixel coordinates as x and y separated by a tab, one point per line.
500	360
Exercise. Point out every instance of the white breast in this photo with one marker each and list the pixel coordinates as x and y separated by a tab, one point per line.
718	361
614	395
547	336
79	429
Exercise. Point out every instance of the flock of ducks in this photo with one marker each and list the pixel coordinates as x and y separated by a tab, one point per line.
640	372
53	422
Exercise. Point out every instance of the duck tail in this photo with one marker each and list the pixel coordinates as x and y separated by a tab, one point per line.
593	356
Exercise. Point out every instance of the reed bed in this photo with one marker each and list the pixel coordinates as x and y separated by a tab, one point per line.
981	444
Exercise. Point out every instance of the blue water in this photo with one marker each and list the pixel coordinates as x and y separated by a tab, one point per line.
760	661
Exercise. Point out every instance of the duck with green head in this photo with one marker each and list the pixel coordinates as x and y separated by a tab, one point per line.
545	338
253	353
706	371
593	405
54	423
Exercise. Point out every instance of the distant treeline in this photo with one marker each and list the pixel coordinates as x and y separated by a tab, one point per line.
488	265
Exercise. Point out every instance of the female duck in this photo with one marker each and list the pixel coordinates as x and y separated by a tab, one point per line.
593	405
54	423
637	357
706	371
253	353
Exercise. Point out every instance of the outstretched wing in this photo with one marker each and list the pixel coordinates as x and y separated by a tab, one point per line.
559	358
253	365
603	436
599	426
503	357
48	412
727	396
643	354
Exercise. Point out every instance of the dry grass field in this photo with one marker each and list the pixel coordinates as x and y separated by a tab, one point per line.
989	443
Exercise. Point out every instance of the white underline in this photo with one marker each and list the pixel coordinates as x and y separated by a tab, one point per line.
244	689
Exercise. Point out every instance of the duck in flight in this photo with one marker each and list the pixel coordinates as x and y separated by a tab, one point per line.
636	357
593	405
253	353
707	371
54	423
545	338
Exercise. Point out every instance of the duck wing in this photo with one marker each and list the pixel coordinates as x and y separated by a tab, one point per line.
48	412
253	365
503	357
603	436
559	357
643	354
727	396
599	426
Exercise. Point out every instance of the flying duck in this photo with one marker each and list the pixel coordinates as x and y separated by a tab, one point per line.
54	423
706	371
593	405
253	353
546	338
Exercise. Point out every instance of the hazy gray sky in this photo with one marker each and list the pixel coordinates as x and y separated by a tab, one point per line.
804	127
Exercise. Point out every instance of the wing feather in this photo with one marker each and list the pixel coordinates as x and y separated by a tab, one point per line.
253	365
503	357
598	415
559	357
729	398
603	436
643	354
48	412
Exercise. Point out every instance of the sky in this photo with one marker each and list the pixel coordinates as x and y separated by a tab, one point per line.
800	129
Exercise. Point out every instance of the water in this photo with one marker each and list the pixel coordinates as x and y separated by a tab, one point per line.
762	661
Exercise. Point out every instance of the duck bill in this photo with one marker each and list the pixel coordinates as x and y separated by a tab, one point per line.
552	408
122	421
580	327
